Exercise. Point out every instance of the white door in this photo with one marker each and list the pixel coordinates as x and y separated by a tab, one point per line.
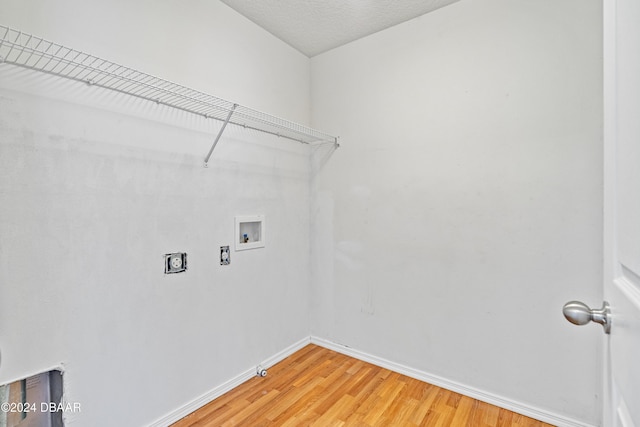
622	211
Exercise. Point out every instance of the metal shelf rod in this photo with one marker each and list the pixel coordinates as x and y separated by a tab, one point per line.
224	125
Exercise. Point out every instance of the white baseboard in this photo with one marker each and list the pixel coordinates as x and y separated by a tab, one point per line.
484	396
234	382
488	397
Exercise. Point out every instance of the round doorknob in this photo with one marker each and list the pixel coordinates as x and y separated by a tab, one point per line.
579	313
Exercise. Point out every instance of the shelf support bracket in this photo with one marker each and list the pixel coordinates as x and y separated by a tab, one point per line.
224	125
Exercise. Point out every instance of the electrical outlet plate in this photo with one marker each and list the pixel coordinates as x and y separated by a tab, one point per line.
175	263
225	255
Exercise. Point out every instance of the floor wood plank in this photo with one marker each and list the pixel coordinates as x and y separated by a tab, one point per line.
322	388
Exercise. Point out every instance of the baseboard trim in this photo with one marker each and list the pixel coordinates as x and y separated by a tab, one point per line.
229	385
491	398
488	397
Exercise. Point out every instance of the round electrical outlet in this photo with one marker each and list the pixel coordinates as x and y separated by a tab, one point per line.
176	262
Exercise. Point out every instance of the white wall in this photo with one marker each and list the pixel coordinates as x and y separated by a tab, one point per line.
95	188
463	208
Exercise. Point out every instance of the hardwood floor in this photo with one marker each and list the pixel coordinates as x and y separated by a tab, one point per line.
319	387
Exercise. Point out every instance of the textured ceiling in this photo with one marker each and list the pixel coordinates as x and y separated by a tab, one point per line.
315	26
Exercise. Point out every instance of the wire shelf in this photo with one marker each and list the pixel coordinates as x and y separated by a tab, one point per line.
35	53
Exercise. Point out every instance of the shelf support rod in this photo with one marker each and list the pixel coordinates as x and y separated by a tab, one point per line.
224	125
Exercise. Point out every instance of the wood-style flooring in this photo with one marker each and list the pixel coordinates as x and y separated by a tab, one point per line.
319	387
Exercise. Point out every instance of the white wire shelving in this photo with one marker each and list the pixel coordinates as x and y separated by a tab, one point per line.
35	53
